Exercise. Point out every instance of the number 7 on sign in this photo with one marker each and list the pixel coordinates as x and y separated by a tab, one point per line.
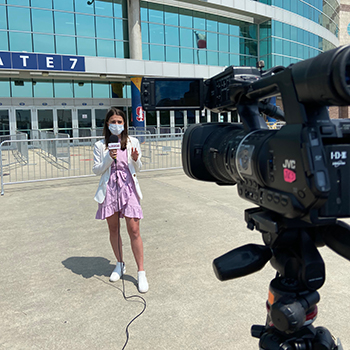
74	62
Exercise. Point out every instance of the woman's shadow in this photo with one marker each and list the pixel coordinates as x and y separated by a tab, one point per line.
92	266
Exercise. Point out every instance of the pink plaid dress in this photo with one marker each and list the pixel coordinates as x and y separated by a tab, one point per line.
121	194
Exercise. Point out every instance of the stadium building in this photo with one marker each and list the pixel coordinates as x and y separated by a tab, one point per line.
63	63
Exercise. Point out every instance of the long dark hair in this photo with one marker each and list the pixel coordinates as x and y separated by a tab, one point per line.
124	135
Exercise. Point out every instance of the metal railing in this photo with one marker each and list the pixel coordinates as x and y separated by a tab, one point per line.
65	158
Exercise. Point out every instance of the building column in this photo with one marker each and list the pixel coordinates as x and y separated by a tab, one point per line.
134	20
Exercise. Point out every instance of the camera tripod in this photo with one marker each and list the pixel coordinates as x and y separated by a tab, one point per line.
291	247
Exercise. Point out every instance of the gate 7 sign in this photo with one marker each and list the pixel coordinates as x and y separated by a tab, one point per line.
33	61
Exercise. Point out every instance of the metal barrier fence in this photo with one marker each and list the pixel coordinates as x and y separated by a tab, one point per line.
56	158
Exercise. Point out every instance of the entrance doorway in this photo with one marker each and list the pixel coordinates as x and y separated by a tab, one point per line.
23	120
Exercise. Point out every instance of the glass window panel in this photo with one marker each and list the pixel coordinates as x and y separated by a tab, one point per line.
234	60
200	57
294	49
234	44
64	120
293	33
253	32
5	89
278	3
3	18
278	46
120	9
265	30
82	89
120	48
171	16
234	30
278	29
25	90
223	28
212	41
43	43
224	59
42	21
286	47
144	32
263	48
19	18
41	3
185	17
64	23
186	56
294	6
213	58
66	5
20	42
286	31
3	42
143	14
186	37
65	45
43	88
101	90
23	120
212	24
105	48
4	122
85	25
127	91
45	119
172	36
223	43
300	51
86	47
103	8
18	2
301	36
156	32
100	115
104	27
157	53
82	6
199	23
155	14
278	60
145	52
172	54
84	119
63	89
119	29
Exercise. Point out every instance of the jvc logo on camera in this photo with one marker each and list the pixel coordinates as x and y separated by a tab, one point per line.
289	164
338	158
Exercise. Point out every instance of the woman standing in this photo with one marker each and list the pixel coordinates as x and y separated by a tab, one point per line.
119	194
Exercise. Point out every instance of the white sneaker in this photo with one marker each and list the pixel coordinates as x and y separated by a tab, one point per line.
117	272
142	282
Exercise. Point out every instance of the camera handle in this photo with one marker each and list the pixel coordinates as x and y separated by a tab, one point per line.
290	246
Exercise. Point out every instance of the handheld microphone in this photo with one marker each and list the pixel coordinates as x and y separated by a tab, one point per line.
113	143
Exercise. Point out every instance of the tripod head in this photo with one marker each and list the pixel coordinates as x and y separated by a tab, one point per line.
291	247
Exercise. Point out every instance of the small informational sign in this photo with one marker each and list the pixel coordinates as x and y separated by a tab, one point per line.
84	116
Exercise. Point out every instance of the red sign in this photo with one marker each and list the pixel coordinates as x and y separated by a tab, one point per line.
140	114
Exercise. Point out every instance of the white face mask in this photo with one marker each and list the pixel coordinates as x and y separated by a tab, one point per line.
116	129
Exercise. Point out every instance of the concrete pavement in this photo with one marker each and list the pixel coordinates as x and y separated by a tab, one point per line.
55	260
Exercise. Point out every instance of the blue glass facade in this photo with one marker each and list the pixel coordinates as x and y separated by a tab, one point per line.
65	27
170	34
322	12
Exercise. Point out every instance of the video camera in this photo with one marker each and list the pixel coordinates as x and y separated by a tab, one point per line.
299	171
298	176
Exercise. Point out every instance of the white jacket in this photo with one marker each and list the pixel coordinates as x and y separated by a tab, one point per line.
103	162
